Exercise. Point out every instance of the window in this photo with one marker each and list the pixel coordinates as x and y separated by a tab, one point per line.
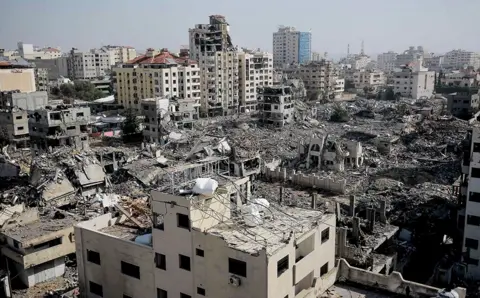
199	252
20	128
471	261
325	235
184	262
18	117
80	114
324	269
160	261
471	243
475	173
476	147
183	221
130	270
473	220
282	265
474	197
237	267
93	257
161	293
185	296
200	291
96	289
126	296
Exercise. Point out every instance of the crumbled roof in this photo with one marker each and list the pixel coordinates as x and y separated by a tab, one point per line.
273	233
163	57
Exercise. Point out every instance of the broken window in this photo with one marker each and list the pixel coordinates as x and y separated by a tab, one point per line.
282	265
161	293
160	261
183	221
201	291
126	296
325	235
475	173
473	220
184	262
45	245
471	243
18	117
158	221
80	114
185	296
304	248
130	269
54	116
71	128
93	257
474	197
237	267
199	252
96	289
20	128
324	269
471	261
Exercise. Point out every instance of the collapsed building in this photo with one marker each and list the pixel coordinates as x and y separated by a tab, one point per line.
276	106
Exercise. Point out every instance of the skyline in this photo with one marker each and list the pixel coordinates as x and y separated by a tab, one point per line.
433	24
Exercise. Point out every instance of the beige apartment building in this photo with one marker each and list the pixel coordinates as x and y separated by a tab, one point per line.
319	77
199	248
369	79
157	74
17	75
255	70
120	54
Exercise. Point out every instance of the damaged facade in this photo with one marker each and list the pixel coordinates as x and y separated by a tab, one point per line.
276	106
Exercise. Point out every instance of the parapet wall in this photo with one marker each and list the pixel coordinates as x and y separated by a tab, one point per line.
313	181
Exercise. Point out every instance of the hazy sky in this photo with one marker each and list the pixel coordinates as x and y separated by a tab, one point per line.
438	25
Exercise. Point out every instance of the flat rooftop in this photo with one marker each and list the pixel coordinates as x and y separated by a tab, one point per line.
342	290
125	231
273	233
48	223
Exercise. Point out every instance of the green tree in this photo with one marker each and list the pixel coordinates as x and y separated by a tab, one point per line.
55	91
83	90
131	123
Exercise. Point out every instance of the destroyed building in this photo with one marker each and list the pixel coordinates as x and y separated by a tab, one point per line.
463	104
276	106
14	127
59	125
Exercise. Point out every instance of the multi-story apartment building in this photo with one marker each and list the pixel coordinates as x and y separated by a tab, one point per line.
387	61
28	51
291	46
255	71
17	74
276	106
211	46
316	56
414	82
215	252
14	126
411	55
460	78
89	65
41	79
435	63
120	54
319	77
157	74
458	59
369	79
463	104
60	125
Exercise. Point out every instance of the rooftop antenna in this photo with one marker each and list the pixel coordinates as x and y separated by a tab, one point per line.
362	51
348	50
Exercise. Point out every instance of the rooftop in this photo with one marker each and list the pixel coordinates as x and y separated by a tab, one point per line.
163	57
274	233
49	222
126	231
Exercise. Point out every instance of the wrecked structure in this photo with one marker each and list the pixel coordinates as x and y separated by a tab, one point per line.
276	106
60	125
463	104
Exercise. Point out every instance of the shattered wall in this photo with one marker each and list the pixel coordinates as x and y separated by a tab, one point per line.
311	180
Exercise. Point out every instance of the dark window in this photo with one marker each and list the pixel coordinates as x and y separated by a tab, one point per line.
157	218
161	293
471	243
324	269
160	261
325	235
185	296
183	221
18	117
200	291
471	261
474	197
473	220
130	270
96	289
200	252
93	256
20	128
237	267
282	265
184	262
476	147
81	115
126	296
475	173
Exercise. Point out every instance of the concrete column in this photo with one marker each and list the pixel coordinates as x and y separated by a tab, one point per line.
342	241
356	228
280	198
383	211
313	204
352	205
249	189
338	212
371	218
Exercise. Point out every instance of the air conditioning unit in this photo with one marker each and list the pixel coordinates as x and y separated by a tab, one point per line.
234	281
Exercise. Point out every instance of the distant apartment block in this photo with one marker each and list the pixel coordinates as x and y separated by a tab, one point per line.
88	65
319	77
157	74
17	74
255	71
369	79
120	54
463	104
211	45
459	59
28	51
276	106
414	82
386	61
291	46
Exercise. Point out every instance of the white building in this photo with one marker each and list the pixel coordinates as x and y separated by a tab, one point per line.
28	51
386	61
88	65
339	88
414	82
255	70
198	240
460	78
458	59
316	56
120	54
211	46
291	47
